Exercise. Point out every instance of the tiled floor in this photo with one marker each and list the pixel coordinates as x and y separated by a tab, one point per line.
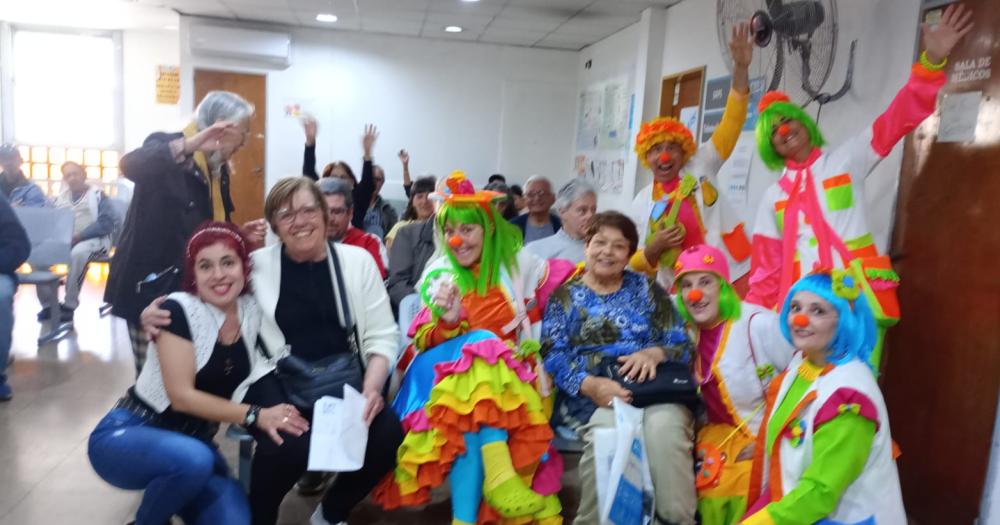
60	393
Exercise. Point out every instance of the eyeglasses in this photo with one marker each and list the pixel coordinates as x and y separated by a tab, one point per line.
536	194
287	215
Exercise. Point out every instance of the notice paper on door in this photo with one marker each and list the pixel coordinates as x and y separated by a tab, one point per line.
959	116
339	433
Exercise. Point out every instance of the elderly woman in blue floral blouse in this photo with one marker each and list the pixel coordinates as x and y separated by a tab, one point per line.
609	311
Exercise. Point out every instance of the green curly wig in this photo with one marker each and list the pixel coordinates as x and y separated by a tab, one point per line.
729	304
771	117
501	242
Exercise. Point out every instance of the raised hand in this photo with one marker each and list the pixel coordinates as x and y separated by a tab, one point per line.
404	157
741	45
210	138
368	139
310	126
939	40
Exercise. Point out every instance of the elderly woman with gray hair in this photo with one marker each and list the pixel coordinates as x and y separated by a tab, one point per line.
576	204
181	180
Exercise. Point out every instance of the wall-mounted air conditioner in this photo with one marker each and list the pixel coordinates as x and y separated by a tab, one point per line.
254	45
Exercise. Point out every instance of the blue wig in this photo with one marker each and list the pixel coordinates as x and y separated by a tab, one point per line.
856	334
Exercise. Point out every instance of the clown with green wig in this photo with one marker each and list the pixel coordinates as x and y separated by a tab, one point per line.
474	401
739	351
682	207
817	207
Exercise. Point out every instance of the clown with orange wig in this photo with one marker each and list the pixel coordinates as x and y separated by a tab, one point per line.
472	401
682	207
817	207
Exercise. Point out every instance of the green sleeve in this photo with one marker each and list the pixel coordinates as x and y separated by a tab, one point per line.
840	451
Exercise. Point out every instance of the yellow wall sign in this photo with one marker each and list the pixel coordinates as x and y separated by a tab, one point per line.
168	84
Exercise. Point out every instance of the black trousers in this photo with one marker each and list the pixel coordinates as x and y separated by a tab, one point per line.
275	469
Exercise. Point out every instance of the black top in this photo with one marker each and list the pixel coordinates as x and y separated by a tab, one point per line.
307	310
228	366
363	190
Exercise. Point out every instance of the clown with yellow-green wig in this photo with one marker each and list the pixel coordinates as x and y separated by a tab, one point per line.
739	350
473	400
682	207
814	215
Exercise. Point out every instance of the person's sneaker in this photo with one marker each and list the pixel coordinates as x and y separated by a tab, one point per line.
65	313
6	394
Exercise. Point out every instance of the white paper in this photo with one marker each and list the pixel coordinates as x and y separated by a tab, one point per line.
959	114
339	433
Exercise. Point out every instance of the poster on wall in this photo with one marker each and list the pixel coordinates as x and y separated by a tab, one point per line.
716	93
604	124
168	84
605	170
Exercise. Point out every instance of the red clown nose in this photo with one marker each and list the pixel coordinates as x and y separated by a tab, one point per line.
455	241
784	129
695	295
800	320
664	157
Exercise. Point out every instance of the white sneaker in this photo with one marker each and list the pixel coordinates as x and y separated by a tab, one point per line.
318	519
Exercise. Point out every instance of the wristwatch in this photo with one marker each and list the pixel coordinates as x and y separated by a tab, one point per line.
250	419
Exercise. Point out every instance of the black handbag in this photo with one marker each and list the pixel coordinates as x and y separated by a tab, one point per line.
158	284
673	384
305	382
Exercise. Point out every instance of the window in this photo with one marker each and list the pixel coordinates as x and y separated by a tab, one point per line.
65	104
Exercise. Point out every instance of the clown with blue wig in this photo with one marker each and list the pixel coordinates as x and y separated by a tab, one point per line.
825	454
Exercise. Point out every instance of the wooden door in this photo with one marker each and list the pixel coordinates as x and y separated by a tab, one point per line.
681	91
942	367
247	180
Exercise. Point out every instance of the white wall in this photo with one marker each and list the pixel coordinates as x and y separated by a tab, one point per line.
142	52
635	53
476	107
885	31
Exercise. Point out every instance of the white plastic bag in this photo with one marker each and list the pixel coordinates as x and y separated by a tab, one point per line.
628	494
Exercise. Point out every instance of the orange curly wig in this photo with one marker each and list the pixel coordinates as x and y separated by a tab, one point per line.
663	129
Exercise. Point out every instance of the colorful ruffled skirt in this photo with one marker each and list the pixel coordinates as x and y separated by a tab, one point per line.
468	382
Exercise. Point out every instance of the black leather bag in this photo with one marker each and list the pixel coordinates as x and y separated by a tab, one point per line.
673	384
158	285
305	382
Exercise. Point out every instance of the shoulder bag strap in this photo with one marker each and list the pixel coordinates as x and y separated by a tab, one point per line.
349	323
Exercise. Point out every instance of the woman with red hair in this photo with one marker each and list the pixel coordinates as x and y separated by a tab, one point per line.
158	437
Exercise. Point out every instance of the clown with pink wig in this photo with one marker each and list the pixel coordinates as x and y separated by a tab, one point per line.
739	350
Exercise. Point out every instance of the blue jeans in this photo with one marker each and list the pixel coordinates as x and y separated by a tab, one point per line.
180	475
8	285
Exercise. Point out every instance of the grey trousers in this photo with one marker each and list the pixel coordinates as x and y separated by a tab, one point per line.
668	431
82	254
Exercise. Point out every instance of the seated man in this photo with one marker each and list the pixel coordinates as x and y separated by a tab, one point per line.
539	222
14	185
93	222
338	198
576	203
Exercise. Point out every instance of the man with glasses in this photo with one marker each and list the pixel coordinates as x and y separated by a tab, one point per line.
539	222
338	198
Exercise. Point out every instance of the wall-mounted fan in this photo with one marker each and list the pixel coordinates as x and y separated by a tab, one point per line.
795	44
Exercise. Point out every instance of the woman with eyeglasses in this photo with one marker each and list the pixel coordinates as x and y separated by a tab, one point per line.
295	282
